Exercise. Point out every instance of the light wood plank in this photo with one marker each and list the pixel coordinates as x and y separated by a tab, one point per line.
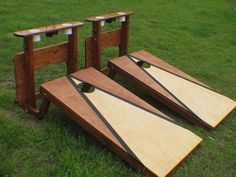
159	144
208	105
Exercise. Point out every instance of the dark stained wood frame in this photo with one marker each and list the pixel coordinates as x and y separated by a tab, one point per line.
31	59
100	40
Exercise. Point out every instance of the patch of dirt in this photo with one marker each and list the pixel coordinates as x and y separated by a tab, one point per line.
7	84
26	122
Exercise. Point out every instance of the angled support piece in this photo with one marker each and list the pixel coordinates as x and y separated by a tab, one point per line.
43	107
31	59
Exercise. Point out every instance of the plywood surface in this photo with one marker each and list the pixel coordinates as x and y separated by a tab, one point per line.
143	132
61	92
208	105
204	103
133	72
148	136
153	60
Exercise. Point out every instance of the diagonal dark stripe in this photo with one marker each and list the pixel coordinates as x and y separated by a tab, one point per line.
172	94
127	101
173	73
103	119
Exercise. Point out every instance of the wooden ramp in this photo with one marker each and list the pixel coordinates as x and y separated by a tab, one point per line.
181	92
143	136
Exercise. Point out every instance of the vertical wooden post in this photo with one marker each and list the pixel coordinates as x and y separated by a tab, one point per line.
72	64
29	72
123	48
44	107
96	47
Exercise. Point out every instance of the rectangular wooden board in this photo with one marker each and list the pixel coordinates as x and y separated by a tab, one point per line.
137	126
179	91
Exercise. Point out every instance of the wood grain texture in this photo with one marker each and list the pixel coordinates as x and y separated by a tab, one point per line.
29	72
47	29
107	39
41	57
133	72
62	93
46	55
208	105
96	45
123	47
109	16
99	40
72	62
161	63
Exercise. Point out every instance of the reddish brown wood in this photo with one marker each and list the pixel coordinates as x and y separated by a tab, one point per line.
123	48
132	72
20	79
110	38
88	52
44	107
109	16
72	65
47	29
29	71
78	110
47	55
107	39
32	110
42	56
99	40
26	63
96	45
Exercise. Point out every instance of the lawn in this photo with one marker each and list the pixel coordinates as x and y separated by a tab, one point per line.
198	36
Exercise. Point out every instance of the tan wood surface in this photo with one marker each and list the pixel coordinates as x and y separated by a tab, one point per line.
158	144
62	93
209	106
133	72
161	63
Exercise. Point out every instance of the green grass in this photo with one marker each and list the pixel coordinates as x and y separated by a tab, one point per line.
198	36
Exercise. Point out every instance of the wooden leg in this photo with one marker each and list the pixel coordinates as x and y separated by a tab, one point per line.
111	74
43	108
